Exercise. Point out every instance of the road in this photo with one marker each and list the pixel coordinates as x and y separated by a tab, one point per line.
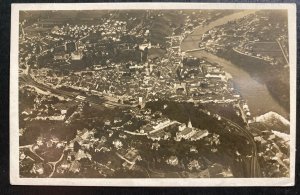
30	147
282	50
53	164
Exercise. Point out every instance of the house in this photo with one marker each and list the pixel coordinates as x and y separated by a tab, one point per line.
81	154
84	134
194	164
260	139
40	141
61	56
182	127
63	111
22	156
155	146
54	140
76	55
118	144
107	122
87	144
71	156
75	167
60	145
172	160
156	136
161	124
49	144
103	139
193	149
117	120
199	135
132	155
215	139
123	136
100	145
167	135
271	137
37	168
110	133
64	166
77	139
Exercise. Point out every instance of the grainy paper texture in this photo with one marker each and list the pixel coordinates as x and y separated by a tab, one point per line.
153	94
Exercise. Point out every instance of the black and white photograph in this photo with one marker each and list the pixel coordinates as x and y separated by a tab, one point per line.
159	94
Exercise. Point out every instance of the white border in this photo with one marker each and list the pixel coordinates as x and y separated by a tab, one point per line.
14	112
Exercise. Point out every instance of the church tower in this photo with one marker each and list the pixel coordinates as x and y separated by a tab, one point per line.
190	124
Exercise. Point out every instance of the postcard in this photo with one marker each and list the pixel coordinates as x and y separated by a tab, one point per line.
153	94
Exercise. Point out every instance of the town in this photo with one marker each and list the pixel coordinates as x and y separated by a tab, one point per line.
115	96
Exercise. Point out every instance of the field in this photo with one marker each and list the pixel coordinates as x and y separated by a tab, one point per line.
271	49
268	47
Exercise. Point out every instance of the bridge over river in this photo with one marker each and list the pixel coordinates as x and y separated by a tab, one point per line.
248	87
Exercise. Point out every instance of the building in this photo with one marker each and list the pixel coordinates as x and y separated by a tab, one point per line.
199	135
107	122
162	124
172	160
118	144
64	166
194	164
193	149
190	124
181	127
76	55
157	135
185	134
37	168
141	102
117	119
75	167
40	141
81	155
61	55
155	146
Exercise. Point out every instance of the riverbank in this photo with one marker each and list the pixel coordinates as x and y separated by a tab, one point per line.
276	78
256	93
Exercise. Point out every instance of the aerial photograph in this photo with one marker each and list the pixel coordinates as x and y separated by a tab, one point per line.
149	93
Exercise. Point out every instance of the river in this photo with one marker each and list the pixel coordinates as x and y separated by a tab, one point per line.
256	94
